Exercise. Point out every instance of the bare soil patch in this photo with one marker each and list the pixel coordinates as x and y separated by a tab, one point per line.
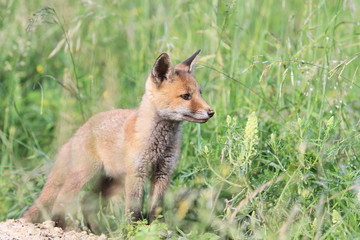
19	229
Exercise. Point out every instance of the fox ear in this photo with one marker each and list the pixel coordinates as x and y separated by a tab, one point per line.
162	69
188	64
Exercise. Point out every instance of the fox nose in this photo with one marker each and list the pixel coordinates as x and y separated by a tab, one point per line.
211	113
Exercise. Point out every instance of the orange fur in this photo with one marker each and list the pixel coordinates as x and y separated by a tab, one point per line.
122	148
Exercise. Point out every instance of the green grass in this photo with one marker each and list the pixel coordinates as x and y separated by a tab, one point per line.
293	63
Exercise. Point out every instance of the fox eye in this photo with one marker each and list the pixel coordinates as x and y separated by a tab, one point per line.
185	96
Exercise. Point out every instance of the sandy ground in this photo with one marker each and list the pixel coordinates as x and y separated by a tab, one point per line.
19	230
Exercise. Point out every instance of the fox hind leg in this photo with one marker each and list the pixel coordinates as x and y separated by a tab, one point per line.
42	207
75	182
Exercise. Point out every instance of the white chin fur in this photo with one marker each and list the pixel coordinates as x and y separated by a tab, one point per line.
170	115
183	115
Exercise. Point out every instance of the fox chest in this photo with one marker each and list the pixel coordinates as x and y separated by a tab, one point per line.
162	147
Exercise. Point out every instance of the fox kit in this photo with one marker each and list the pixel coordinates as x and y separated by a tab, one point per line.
121	148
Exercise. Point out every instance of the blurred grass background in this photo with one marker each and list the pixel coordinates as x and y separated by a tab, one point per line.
289	170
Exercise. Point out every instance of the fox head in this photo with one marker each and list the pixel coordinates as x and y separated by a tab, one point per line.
175	93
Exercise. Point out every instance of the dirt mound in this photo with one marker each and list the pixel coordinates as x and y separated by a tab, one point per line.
19	229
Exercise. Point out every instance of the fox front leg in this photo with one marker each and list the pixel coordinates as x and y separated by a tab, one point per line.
159	185
134	190
160	180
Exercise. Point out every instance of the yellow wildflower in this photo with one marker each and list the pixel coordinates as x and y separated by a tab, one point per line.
251	139
39	68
